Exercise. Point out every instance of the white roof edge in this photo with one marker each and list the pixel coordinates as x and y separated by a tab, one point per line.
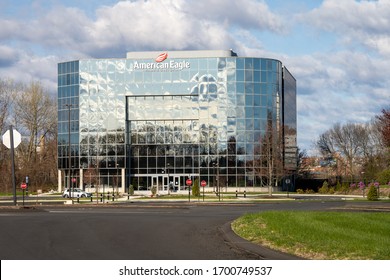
181	54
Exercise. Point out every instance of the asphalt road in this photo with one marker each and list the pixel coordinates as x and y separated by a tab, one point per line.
137	231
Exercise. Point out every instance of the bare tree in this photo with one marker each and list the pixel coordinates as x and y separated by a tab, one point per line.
269	166
36	117
8	90
352	145
35	111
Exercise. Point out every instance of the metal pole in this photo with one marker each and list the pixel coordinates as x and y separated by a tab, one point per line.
11	133
169	182
203	192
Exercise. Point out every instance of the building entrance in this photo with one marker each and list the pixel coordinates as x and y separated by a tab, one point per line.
163	183
166	183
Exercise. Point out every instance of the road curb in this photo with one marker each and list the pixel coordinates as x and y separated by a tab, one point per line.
262	252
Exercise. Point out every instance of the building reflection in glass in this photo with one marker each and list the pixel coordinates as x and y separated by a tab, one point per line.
128	125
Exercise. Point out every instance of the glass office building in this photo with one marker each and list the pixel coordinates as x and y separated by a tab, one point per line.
157	118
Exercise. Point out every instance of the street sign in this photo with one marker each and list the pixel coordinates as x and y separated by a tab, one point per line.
7	138
188	182
203	183
23	186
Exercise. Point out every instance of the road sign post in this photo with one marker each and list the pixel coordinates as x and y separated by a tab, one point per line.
189	183
12	139
203	183
23	186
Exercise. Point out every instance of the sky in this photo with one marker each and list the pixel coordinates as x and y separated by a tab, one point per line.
338	50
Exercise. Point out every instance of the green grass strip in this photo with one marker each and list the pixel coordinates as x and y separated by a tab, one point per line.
320	235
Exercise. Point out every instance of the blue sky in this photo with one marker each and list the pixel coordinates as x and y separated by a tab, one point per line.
338	50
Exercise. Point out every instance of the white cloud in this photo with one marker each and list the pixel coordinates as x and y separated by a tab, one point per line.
144	25
344	86
356	22
341	84
8	56
246	14
31	67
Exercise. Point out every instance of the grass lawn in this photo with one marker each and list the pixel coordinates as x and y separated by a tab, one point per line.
320	235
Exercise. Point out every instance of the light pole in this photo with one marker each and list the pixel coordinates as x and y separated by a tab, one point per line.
117	179
169	183
69	152
217	180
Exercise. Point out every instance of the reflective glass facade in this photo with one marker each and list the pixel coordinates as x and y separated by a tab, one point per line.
213	118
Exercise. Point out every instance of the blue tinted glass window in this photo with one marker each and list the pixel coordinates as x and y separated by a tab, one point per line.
264	64
256	76
249	63
256	88
240	63
264	76
249	112
249	100
240	75
248	88
240	88
249	75
256	64
256	100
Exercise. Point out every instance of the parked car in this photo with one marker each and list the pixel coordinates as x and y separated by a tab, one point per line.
76	192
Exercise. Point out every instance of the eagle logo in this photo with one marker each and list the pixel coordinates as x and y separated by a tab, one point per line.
162	57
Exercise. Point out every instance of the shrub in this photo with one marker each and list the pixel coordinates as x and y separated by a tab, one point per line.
300	191
131	190
154	190
324	189
338	186
372	193
344	187
196	188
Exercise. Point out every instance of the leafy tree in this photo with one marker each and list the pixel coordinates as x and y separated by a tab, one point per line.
384	177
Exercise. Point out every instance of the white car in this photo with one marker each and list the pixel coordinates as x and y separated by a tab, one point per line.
76	193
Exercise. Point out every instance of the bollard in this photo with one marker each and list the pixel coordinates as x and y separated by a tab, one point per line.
78	199
236	193
244	193
101	197
108	196
113	197
128	196
91	198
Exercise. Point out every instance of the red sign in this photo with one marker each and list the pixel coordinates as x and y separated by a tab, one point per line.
162	57
203	183
23	186
189	182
